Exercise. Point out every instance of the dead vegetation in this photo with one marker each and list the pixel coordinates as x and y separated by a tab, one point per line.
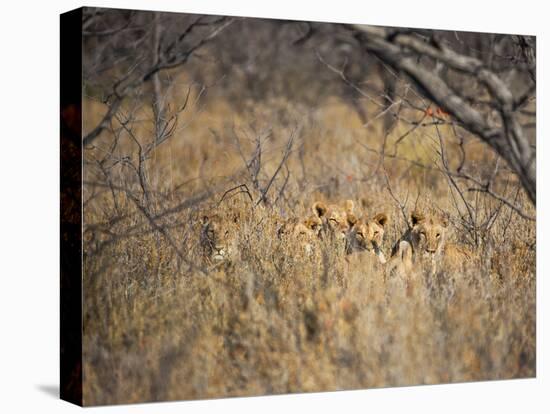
163	322
166	325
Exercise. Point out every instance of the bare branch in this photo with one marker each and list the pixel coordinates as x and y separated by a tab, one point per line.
402	51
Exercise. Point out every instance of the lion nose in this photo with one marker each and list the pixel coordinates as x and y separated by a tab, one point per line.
432	251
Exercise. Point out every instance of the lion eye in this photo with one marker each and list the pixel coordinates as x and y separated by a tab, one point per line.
437	235
375	232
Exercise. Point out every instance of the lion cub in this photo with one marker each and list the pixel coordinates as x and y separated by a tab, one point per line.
426	239
306	230
367	235
333	219
337	219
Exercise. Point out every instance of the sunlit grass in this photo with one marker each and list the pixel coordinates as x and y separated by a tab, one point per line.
272	320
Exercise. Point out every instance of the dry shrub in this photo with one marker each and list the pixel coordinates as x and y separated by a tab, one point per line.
161	322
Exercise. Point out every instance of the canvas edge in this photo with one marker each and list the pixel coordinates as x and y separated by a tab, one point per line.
71	207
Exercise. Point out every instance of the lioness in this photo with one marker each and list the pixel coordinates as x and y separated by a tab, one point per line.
306	230
367	235
337	220
309	226
426	239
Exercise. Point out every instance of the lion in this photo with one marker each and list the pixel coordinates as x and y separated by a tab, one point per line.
367	235
309	226
426	239
307	230
218	236
337	219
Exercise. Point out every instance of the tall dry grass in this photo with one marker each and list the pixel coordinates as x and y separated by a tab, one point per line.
162	323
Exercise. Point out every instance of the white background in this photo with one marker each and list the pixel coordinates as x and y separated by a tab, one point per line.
29	193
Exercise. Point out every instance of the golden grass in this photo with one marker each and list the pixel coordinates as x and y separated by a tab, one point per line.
273	321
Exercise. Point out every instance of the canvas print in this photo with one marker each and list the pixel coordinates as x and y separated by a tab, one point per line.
275	207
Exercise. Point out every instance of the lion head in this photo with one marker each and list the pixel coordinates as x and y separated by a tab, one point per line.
310	226
368	234
337	219
307	230
217	237
427	234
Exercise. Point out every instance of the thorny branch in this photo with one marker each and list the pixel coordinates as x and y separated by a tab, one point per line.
174	55
403	49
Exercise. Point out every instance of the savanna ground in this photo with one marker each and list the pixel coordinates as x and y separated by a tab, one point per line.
162	322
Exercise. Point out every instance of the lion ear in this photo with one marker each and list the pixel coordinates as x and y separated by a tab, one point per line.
349	205
444	221
352	219
319	208
312	222
205	219
416	218
381	218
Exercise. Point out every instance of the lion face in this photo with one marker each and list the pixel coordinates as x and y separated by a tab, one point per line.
303	228
369	233
306	231
311	226
217	238
336	219
428	233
